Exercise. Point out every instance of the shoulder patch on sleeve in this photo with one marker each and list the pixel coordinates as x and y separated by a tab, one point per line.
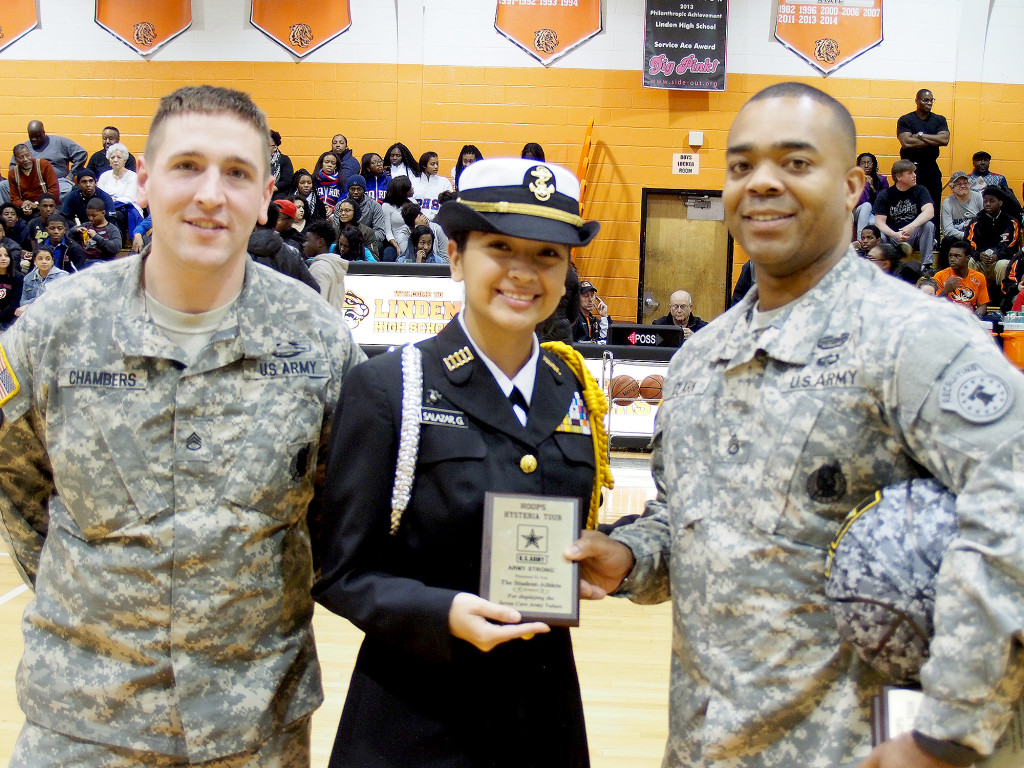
975	395
9	386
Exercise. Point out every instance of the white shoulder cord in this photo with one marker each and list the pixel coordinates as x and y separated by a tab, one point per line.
409	436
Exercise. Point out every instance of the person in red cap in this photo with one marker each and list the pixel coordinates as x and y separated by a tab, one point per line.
444	676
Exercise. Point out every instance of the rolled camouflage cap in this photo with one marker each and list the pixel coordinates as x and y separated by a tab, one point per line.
881	573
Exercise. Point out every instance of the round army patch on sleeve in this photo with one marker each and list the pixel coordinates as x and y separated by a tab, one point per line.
976	395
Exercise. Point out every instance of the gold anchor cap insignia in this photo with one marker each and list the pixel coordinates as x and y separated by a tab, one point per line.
541	188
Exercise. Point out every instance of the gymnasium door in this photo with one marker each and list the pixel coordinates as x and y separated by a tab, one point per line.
684	244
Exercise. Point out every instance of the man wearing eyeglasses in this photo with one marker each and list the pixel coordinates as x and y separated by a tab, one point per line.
680	313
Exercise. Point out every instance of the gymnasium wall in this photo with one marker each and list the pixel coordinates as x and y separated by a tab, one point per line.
436	76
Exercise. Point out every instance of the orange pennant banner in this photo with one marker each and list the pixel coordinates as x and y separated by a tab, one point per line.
548	29
17	19
829	36
144	27
301	26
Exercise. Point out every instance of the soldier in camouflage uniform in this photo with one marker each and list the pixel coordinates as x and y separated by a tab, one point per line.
163	423
828	381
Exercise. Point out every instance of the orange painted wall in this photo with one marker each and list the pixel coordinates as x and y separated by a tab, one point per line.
636	130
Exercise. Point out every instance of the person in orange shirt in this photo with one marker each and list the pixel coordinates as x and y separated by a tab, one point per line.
961	284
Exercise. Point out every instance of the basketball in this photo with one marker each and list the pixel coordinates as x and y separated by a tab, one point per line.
624	389
650	387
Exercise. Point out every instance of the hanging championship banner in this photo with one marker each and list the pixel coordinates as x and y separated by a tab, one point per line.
17	19
548	29
299	25
684	44
144	27
829	36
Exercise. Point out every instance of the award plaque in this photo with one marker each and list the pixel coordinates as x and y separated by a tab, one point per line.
893	711
522	564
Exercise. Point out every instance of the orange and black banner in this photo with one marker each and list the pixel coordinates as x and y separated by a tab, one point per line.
548	29
684	44
17	19
829	36
301	26
144	27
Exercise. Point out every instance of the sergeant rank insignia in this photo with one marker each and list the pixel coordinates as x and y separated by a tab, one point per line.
577	420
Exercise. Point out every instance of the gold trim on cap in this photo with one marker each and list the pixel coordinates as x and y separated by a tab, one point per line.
525	209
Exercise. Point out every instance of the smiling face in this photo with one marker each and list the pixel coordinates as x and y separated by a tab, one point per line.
961	188
511	285
206	183
346	212
791	184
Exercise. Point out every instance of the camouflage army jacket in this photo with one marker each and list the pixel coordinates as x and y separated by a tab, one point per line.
158	509
769	433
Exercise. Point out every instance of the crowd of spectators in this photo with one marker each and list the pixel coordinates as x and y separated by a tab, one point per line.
969	241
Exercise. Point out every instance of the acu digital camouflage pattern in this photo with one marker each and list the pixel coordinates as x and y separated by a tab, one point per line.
765	440
159	511
880	582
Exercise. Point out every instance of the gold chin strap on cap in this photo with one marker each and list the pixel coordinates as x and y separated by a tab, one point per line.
597	407
526	209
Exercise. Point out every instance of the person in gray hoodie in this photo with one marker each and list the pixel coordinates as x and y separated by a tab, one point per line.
327	268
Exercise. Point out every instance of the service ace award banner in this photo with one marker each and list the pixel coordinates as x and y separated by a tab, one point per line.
684	44
829	35
17	19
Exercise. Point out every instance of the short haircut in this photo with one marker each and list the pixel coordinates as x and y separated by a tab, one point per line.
323	230
116	148
95	204
922	92
46	196
840	114
902	166
56	218
208	100
112	128
873	228
927	281
9	204
961	245
410	211
19	147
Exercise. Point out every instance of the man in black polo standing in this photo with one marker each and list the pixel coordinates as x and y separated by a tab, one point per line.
921	133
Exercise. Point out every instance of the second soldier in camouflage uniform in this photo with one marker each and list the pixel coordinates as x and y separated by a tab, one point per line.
827	383
163	423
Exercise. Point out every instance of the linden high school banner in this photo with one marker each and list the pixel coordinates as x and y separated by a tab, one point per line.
684	44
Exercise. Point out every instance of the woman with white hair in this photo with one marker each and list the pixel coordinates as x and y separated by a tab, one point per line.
122	185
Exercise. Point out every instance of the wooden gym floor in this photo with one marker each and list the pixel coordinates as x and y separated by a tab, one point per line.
622	652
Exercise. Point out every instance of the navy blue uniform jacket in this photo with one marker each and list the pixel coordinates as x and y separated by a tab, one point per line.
418	696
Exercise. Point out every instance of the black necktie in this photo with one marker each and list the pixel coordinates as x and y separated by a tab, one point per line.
516	398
